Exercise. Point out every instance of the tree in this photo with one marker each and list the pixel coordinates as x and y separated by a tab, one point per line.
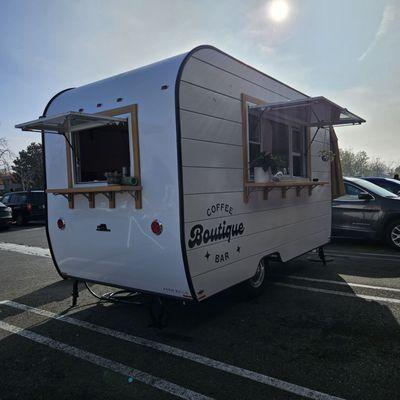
359	164
5	155
28	167
354	164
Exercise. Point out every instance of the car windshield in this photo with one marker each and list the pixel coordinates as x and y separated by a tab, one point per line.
375	189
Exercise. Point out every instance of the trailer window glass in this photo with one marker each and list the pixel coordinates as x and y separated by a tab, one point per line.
99	151
284	143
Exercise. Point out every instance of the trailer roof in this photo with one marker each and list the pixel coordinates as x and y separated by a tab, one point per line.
69	122
318	112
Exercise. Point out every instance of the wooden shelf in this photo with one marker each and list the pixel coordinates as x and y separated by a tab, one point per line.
283	185
90	192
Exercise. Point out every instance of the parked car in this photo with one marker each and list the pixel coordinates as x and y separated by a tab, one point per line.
5	216
26	206
367	211
392	185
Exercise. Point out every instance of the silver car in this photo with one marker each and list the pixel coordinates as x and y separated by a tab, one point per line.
367	211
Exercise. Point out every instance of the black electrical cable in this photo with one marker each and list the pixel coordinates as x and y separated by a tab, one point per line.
120	296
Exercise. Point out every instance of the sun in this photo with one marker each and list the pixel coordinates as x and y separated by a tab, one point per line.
278	10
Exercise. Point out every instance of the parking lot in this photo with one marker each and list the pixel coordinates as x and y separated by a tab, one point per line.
318	332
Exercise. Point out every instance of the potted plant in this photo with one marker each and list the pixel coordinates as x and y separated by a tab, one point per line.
265	166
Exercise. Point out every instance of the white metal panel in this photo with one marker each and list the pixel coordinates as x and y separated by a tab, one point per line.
201	207
212	89
222	278
246	72
210	154
130	255
204	75
216	255
201	127
203	101
211	180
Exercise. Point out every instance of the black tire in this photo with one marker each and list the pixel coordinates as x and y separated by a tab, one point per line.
255	286
20	220
392	234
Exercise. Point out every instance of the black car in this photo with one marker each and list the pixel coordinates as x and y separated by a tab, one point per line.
5	216
392	185
367	211
26	206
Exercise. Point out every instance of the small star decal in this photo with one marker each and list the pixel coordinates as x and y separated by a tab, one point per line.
238	249
207	255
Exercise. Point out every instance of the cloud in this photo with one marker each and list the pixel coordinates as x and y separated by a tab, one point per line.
389	15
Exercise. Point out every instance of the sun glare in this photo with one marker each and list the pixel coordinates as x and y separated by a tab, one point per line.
278	10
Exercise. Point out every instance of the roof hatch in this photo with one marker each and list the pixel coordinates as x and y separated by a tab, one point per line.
318	112
69	122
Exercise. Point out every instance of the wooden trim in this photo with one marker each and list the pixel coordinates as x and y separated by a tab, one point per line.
90	193
284	186
110	189
69	162
308	147
246	184
95	189
246	99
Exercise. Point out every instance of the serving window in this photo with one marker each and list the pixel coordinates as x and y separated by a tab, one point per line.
100	152
283	142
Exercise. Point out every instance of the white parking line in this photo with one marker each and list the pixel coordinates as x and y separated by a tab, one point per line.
117	367
304	278
335	292
20	248
209	362
381	256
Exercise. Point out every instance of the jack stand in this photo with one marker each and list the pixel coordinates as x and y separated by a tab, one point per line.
75	293
158	313
321	255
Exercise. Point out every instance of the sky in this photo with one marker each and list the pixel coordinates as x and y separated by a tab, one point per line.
345	50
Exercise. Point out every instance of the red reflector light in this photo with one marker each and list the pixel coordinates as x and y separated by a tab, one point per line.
156	227
29	207
60	224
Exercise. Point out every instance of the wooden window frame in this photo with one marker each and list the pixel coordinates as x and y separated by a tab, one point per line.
108	190
249	186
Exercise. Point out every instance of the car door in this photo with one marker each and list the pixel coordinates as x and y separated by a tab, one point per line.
352	216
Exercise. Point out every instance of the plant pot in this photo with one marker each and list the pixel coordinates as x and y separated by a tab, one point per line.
261	176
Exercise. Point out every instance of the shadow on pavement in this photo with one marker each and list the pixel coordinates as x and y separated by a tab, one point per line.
343	346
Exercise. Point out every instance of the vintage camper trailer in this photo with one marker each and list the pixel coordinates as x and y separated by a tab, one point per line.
182	177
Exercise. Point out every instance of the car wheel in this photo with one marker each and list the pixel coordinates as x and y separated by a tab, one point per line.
393	234
255	286
20	220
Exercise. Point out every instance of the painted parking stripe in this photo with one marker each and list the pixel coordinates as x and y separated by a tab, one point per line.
20	248
197	358
380	256
338	293
304	278
117	367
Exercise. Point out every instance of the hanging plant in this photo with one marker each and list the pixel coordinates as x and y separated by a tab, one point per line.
327	155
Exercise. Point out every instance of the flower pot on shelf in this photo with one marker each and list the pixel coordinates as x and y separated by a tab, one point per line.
261	176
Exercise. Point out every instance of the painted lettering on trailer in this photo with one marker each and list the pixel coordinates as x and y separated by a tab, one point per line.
199	235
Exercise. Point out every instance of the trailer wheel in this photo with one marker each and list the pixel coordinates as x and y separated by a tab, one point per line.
256	285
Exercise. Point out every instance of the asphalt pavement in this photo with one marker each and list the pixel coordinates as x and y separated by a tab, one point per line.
318	332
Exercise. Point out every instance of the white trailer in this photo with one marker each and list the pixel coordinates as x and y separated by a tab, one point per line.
151	183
